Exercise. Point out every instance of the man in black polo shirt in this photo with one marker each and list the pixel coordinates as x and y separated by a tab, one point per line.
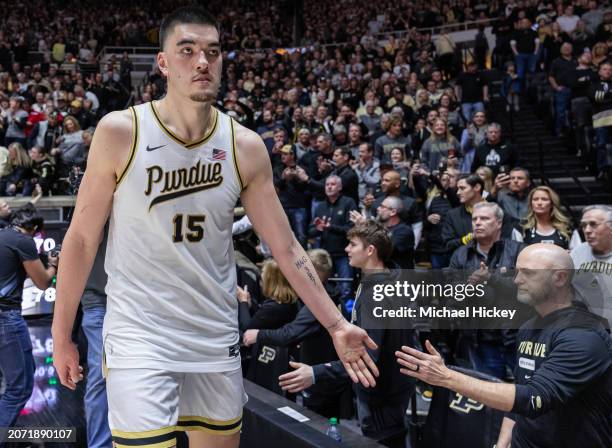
525	45
471	90
561	79
563	391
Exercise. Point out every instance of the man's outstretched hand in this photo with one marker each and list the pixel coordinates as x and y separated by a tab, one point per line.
350	342
427	367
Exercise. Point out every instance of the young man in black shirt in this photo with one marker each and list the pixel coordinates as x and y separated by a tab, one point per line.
19	260
563	391
472	91
381	410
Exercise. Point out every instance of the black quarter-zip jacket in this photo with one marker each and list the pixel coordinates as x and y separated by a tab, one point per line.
563	382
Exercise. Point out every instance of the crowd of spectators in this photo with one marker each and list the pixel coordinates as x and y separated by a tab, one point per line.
357	128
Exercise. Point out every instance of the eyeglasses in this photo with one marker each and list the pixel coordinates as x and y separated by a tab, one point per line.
592	224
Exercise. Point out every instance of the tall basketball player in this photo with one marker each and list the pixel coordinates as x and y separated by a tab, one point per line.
169	173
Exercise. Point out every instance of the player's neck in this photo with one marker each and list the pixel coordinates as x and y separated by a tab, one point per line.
189	120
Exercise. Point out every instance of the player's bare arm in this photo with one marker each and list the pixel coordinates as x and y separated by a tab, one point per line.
107	158
269	219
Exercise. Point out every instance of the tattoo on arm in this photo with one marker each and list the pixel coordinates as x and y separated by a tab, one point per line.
302	264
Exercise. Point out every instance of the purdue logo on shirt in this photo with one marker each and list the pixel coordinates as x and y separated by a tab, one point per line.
465	404
182	181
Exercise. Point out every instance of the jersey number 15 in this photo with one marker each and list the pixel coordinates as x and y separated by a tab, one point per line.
194	224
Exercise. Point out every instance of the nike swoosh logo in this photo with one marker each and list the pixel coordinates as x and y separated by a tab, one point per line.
153	148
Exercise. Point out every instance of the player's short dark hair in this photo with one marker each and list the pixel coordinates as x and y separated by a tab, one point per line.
373	233
472	180
344	151
191	14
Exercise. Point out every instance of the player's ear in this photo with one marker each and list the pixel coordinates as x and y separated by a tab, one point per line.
162	63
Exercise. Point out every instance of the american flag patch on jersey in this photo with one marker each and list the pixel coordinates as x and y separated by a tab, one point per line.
218	154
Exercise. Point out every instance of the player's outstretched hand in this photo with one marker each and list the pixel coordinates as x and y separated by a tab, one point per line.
350	342
66	362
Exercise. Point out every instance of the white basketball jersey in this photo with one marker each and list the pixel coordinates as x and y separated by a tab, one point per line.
170	258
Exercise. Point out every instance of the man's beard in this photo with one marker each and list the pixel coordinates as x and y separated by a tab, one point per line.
202	97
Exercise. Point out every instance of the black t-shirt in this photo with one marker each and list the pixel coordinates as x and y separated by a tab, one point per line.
471	87
15	248
563	71
525	40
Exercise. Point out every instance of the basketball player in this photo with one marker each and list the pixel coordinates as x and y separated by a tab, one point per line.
169	173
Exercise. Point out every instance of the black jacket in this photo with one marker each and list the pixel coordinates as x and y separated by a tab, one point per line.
350	183
333	239
433	232
270	314
392	387
402	237
495	156
316	345
458	223
292	193
563	381
503	254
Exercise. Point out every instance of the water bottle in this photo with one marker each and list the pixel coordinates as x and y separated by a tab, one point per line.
333	431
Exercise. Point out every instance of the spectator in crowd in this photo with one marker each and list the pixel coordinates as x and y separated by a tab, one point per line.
15	122
43	170
486	174
354	140
457	224
567	381
495	152
392	139
510	192
368	171
302	145
525	45
582	111
371	119
293	194
484	254
400	164
315	345
266	130
593	260
545	222
568	21
601	98
441	144
471	91
331	221
391	185
402	235
17	181
561	78
70	150
381	410
45	133
511	88
472	136
279	306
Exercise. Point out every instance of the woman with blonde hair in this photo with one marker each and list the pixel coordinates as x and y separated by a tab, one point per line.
545	222
279	306
486	174
441	144
19	167
599	53
71	147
